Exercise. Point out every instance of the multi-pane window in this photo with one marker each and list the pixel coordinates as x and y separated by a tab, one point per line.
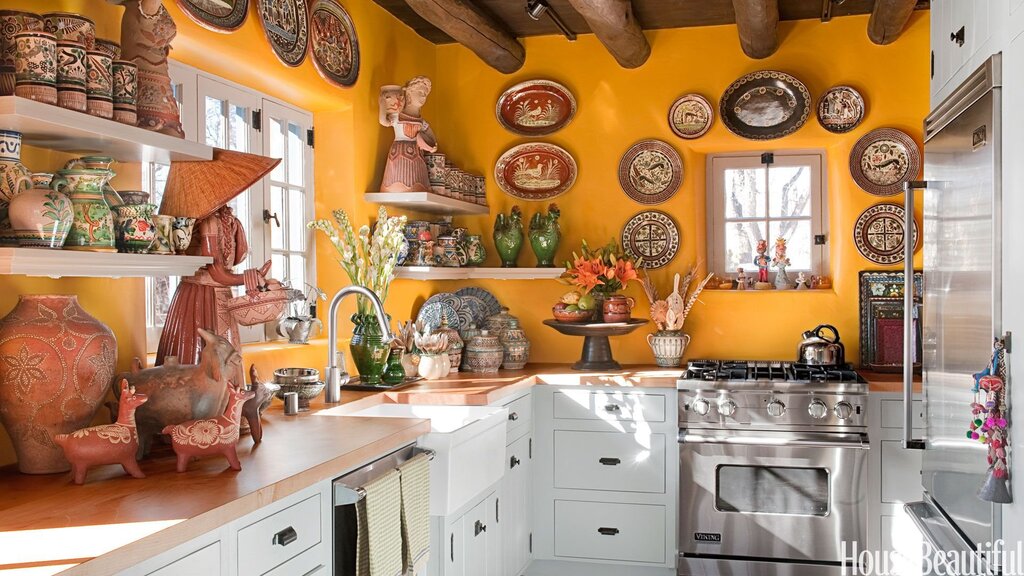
764	197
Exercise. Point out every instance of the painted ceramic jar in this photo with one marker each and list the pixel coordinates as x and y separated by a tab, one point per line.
71	26
14	179
475	252
434	366
483	353
112	196
451	252
134	196
41	216
515	345
181	233
480	190
668	347
453	182
125	94
135	230
93	226
436	170
455	343
425	255
71	75
56	363
497	323
108	47
164	241
12	22
617	308
99	85
35	66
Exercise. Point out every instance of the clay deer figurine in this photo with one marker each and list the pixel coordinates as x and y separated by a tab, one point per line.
115	443
219	435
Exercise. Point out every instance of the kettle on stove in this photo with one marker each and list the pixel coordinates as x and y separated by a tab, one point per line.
818	350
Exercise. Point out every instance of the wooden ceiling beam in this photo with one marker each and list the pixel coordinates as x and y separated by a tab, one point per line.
888	19
474	29
757	22
614	24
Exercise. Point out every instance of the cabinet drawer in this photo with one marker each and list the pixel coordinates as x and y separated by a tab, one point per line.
313	562
204	561
892	414
609	461
520	416
614	406
901	473
268	543
604	531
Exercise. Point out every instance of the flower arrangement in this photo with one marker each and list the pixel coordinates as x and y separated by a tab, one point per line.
670	313
368	259
604	270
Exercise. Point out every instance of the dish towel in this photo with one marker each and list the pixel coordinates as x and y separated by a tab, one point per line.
415	513
379	517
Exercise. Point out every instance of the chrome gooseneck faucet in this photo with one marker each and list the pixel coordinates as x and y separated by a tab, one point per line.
333	394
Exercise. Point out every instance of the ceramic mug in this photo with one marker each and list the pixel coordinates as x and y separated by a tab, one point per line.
125	94
134	228
181	233
617	308
12	22
99	84
108	47
35	66
71	75
163	241
71	26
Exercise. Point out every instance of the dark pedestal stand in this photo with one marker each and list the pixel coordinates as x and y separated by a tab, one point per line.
597	351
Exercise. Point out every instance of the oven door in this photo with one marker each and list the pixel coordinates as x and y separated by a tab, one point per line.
776	496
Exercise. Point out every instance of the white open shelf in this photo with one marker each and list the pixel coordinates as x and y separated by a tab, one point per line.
61	263
468	273
57	128
428	202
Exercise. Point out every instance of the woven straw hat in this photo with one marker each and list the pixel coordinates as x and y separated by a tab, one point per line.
198	188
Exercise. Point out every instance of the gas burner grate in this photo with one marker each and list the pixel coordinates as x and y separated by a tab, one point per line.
747	370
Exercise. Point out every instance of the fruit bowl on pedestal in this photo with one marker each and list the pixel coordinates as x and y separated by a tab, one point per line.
597	351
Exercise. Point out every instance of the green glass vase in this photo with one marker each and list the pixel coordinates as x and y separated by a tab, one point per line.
369	351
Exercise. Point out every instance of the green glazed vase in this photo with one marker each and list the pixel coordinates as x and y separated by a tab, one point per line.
369	351
545	236
92	227
394	373
508	237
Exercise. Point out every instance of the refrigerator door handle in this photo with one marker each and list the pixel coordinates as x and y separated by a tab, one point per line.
909	336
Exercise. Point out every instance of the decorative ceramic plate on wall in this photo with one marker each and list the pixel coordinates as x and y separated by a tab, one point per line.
333	42
764	105
883	160
840	109
286	25
879	233
690	116
216	15
651	171
651	237
535	171
535	108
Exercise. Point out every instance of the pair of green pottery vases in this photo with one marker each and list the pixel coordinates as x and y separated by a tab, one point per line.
544	235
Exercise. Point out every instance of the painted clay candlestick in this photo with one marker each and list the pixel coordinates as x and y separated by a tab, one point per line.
146	34
116	443
219	435
406	169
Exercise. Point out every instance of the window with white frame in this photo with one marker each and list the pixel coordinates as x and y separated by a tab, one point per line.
273	211
756	196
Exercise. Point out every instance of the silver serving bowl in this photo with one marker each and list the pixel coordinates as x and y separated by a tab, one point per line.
303	381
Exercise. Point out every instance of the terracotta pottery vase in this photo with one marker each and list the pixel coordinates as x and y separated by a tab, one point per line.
12	22
35	66
483	353
668	347
71	75
41	217
93	226
545	236
134	230
617	308
515	345
56	362
14	179
369	351
508	237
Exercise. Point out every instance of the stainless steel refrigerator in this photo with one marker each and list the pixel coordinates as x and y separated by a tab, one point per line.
961	307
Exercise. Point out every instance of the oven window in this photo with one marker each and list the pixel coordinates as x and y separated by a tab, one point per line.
772	490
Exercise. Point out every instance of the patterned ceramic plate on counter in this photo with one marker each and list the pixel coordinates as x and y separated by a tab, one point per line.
535	171
651	237
333	42
764	105
883	160
879	233
216	15
437	307
840	109
286	25
482	302
650	172
690	116
535	108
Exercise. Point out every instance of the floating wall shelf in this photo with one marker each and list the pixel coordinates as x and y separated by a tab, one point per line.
468	273
428	202
62	263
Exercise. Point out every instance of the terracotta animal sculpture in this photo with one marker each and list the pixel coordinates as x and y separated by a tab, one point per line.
219	435
182	392
255	406
115	443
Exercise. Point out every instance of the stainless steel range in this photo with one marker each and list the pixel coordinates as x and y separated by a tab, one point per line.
773	459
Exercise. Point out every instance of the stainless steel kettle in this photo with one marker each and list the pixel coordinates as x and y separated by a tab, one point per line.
818	350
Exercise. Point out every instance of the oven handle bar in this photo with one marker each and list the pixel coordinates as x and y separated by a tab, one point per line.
858	442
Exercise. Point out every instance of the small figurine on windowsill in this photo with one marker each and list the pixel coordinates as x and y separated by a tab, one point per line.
762	262
741	279
781	261
801	281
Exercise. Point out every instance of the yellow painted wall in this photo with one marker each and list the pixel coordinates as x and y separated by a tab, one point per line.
617	107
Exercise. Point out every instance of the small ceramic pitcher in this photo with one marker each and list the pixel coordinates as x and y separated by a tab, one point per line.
71	75
617	308
41	217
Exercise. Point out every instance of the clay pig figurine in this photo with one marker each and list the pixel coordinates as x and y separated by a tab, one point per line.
211	436
254	407
115	443
182	392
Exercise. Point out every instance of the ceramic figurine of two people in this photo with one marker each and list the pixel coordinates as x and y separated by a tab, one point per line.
406	170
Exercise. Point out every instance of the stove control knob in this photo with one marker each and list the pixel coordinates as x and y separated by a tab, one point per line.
776	408
726	407
817	409
701	406
844	410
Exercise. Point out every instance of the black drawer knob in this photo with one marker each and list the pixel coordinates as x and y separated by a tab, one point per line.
513	462
608	531
513	416
610	461
286	536
612	408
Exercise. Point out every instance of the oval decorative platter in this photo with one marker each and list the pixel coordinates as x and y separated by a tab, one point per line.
216	15
535	171
764	105
333	41
286	25
651	171
879	233
840	109
651	237
690	116
535	108
883	160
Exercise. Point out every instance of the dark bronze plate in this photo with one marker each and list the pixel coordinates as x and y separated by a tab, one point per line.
650	172
883	160
216	15
765	105
879	233
286	25
333	42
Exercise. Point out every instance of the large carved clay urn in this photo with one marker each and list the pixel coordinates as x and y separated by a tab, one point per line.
56	362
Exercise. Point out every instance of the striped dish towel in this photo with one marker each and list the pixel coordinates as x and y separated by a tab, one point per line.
379	517
415	513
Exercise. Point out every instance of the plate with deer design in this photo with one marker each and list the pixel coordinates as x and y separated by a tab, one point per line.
535	108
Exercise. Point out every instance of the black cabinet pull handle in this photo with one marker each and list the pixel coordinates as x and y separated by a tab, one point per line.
513	416
612	408
453	547
608	531
286	536
513	462
478	528
610	461
959	36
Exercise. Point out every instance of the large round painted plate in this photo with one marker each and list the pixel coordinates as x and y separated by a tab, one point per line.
333	43
286	25
883	160
482	302
651	171
535	171
764	105
440	306
216	15
690	116
652	238
880	235
535	108
840	109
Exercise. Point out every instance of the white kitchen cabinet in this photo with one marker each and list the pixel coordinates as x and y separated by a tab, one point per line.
206	560
453	544
515	509
963	35
469	544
